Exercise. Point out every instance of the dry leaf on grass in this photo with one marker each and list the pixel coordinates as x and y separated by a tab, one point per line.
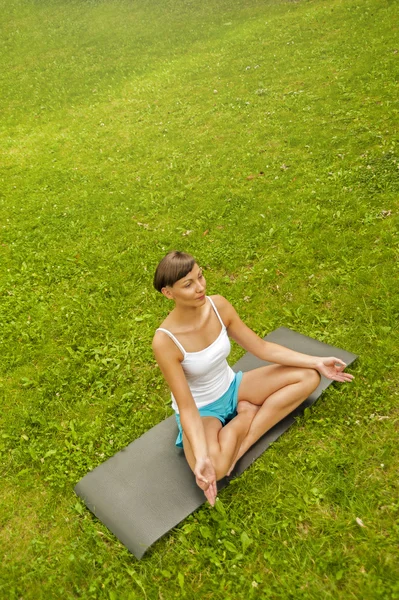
360	522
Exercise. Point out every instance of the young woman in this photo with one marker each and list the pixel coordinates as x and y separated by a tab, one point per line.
219	413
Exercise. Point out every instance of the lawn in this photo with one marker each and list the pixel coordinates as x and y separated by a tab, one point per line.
261	136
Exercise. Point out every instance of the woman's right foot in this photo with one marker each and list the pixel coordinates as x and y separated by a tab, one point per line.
243	407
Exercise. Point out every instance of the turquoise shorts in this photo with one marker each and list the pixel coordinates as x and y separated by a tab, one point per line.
224	409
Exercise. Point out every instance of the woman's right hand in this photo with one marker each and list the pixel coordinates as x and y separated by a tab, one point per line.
205	478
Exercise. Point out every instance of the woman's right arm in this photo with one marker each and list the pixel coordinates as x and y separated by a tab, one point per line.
168	358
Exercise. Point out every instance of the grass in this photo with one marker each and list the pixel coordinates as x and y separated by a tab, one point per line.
260	136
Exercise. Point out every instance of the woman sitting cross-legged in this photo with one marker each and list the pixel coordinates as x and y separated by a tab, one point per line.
219	413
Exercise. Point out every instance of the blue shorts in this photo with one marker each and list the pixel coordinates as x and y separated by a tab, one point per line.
224	409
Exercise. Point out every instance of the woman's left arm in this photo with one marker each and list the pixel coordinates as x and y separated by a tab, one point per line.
331	367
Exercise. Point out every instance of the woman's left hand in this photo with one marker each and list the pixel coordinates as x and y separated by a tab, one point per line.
205	477
333	368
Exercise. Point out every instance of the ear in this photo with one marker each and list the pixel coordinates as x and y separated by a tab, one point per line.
167	292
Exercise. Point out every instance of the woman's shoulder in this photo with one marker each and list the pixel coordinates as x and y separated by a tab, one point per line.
162	343
166	348
224	308
220	302
170	325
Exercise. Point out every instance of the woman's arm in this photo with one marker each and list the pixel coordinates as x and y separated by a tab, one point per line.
168	358
331	367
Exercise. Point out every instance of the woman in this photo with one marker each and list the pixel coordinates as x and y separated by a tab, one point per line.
219	413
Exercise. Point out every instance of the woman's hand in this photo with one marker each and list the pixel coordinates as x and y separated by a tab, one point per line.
333	368
205	477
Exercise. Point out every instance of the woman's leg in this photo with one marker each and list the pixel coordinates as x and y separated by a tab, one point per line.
223	442
277	390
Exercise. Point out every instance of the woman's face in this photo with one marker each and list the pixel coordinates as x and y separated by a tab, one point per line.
190	289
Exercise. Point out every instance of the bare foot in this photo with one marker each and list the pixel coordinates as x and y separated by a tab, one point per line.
243	407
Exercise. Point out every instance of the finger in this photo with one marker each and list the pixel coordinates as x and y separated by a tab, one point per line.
215	490
204	486
202	479
338	377
210	495
343	378
201	484
339	362
347	376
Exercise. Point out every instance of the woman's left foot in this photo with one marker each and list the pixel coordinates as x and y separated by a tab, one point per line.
243	406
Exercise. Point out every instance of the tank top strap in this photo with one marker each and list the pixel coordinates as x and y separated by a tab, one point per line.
172	337
216	311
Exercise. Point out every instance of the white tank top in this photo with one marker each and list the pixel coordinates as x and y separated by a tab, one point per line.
207	372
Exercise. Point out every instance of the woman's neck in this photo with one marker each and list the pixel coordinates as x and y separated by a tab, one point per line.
189	315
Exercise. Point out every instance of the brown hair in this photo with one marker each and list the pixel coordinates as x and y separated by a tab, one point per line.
172	267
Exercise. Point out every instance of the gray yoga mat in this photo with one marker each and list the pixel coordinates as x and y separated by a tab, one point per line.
148	488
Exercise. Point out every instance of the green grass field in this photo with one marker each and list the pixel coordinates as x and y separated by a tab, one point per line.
260	136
